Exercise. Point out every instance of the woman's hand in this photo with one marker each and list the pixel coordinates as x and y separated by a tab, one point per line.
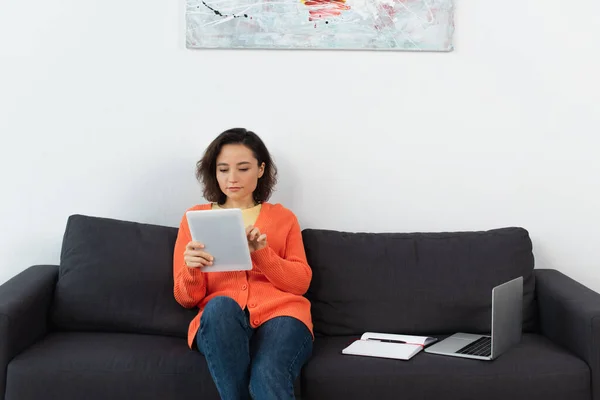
256	240
195	257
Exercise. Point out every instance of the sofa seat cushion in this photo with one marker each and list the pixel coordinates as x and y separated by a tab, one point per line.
109	366
534	369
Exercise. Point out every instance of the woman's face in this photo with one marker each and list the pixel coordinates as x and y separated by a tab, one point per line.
238	172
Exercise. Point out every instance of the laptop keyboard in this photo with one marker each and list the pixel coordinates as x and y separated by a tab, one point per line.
481	347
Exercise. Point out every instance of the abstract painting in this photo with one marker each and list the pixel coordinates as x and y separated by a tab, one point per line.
414	25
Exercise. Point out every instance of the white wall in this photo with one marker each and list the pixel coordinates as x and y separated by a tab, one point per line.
104	112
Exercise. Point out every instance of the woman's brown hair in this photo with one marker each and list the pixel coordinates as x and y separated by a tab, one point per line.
206	168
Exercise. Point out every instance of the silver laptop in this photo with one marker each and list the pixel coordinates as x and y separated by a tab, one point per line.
507	319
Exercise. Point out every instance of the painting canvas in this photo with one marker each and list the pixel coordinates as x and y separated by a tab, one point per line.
415	25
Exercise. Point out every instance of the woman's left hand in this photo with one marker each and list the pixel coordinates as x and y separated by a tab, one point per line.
256	240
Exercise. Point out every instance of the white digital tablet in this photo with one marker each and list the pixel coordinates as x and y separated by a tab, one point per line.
224	237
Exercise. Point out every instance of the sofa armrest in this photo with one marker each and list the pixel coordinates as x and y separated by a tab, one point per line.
570	316
24	304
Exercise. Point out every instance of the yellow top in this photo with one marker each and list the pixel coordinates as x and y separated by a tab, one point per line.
248	214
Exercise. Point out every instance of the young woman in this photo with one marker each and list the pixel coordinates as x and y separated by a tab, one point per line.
253	327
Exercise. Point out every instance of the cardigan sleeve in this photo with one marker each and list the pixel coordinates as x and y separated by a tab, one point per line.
189	283
290	273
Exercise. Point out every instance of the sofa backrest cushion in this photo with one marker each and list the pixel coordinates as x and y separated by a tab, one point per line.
414	283
118	276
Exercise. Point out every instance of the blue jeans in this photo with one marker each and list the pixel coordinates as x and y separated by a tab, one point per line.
245	362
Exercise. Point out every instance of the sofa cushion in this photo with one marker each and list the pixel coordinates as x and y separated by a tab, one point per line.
102	366
420	283
87	365
118	276
536	369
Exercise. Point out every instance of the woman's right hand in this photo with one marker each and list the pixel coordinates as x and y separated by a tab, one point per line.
195	257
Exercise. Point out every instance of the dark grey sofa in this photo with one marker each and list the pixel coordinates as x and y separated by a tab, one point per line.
104	324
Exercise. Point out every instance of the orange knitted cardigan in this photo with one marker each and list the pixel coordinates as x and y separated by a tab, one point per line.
275	286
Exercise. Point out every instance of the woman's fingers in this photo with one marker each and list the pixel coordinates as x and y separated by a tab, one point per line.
254	234
195	257
194	246
199	253
199	261
196	261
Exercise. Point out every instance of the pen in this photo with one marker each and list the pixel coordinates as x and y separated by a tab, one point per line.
387	340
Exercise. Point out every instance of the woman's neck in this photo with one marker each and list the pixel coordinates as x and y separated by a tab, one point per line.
243	204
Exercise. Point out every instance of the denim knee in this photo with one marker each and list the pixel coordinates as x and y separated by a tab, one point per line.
220	307
267	370
271	380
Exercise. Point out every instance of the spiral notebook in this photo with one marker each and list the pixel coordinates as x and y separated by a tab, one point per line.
387	345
